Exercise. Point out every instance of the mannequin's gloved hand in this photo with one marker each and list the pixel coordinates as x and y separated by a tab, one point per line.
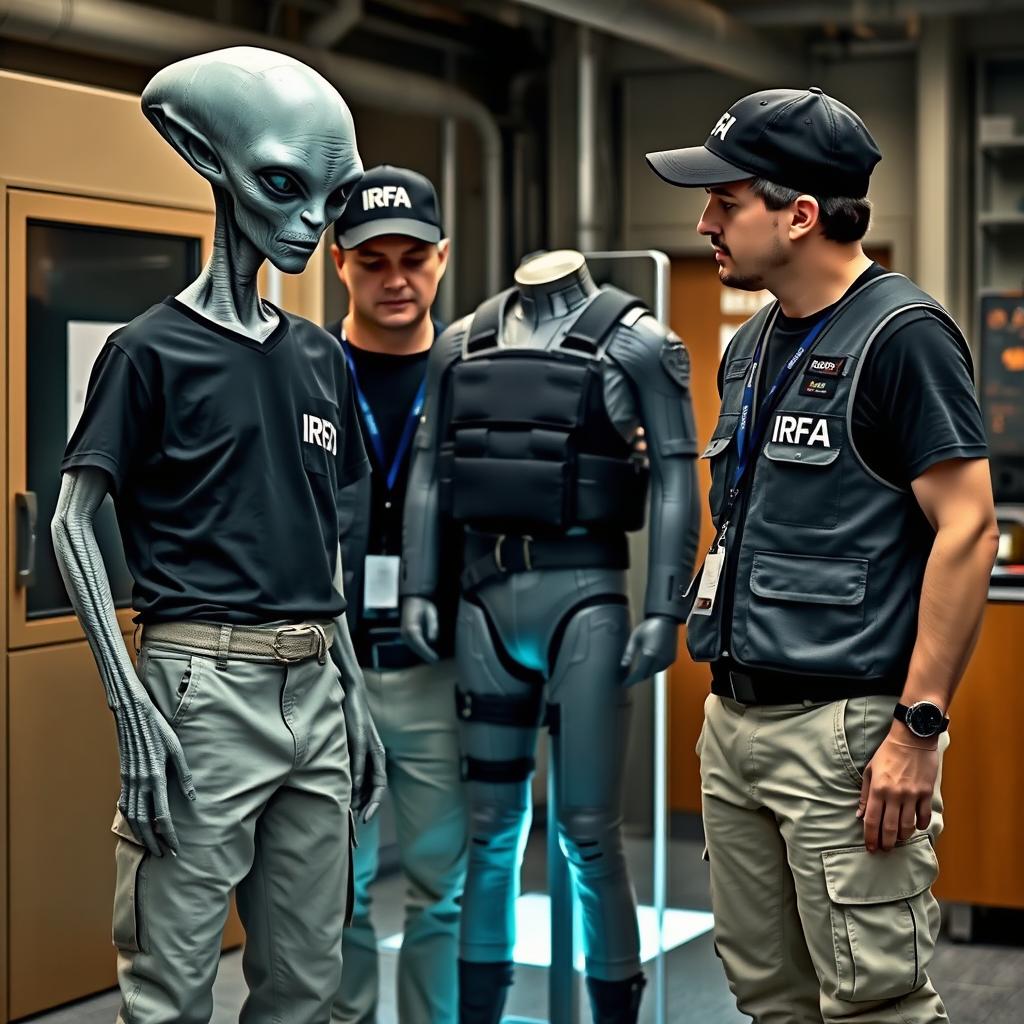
419	626
651	648
364	746
146	742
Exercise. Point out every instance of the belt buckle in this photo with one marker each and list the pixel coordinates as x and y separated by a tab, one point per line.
527	542
497	553
319	648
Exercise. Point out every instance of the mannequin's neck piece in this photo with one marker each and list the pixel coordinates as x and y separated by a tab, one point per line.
552	292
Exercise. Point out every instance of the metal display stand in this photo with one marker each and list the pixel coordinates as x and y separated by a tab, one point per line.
645	273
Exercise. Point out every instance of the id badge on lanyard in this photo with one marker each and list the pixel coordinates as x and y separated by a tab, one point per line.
380	582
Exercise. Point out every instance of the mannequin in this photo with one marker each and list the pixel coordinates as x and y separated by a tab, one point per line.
545	413
230	729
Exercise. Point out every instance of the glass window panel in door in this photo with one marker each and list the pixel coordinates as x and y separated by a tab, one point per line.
83	282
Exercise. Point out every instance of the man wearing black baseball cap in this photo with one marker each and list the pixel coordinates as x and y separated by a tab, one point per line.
391	253
842	595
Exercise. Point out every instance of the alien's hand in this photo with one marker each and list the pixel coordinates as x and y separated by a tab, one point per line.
419	626
364	747
651	648
146	743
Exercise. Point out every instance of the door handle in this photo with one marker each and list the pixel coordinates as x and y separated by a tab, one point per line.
27	512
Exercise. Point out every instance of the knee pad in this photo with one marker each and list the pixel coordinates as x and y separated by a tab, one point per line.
496	825
590	837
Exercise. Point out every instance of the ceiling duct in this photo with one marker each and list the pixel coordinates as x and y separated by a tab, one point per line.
691	30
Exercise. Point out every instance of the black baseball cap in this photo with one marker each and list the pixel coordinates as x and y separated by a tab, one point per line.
799	138
390	201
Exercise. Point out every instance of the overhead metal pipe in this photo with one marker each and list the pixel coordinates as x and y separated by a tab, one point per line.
866	12
114	28
692	30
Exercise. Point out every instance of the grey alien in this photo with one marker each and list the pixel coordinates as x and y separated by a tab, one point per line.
277	143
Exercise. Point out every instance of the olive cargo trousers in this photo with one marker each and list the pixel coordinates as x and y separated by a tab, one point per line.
809	925
267	748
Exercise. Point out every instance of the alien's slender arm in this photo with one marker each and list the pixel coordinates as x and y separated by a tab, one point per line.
363	740
145	739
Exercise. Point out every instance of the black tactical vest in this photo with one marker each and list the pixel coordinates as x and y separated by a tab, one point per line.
825	563
530	448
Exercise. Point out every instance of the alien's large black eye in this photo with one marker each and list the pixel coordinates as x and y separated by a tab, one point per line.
280	184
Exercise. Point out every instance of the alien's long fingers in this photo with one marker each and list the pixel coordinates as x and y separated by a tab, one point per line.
130	770
177	757
153	769
162	818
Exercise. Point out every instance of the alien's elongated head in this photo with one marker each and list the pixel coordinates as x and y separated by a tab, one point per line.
269	132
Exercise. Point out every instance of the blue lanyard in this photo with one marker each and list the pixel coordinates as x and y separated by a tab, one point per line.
746	439
371	422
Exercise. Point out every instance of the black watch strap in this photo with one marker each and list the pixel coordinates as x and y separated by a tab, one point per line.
911	718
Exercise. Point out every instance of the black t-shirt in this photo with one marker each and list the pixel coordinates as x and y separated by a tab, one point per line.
227	456
915	403
389	384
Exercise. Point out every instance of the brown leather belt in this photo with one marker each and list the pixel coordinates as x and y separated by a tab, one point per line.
284	644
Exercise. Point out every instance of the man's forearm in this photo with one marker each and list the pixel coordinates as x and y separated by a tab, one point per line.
953	598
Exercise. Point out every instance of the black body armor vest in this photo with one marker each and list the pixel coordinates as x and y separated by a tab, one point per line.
825	559
530	448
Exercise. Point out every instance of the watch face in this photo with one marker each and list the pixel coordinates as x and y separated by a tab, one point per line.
924	719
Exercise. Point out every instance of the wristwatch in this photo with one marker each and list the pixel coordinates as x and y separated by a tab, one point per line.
923	719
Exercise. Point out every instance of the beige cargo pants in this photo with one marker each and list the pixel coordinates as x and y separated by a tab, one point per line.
414	711
809	925
267	748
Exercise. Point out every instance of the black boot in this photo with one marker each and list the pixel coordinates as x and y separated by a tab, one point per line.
482	991
616	1002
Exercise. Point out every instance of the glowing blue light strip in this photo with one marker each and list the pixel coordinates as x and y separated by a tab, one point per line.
533	931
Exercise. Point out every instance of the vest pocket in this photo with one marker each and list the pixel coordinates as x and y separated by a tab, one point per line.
804	612
884	918
802	485
716	453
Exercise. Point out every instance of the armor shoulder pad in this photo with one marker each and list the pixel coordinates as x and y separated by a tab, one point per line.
456	328
648	350
449	343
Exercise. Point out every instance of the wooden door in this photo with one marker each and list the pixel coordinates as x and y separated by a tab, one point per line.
697	317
